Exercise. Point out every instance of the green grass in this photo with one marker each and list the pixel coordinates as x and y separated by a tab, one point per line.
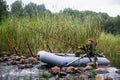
19	31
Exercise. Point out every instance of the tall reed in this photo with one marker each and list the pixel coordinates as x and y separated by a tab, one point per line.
17	32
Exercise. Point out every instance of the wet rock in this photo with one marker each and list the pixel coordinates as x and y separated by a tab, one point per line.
118	71
70	69
22	57
55	70
93	64
99	78
21	66
43	66
78	70
1	59
97	64
83	77
88	68
14	62
33	60
10	62
90	64
17	58
12	57
22	61
27	61
62	74
64	69
28	65
6	53
101	70
108	78
81	69
46	74
5	58
64	78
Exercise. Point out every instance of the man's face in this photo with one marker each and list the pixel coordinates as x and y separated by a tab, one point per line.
89	42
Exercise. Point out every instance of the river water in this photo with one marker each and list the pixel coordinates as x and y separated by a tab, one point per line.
8	72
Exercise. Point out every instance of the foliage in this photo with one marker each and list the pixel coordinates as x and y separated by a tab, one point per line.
31	8
3	9
17	8
70	26
112	25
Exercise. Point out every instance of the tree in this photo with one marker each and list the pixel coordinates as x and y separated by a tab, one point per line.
17	8
30	8
41	8
3	9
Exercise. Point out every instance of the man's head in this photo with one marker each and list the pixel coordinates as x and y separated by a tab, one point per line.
90	41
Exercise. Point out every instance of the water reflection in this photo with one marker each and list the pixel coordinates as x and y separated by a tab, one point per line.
13	73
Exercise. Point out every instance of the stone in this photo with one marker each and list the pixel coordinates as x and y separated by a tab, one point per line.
21	66
5	58
17	58
101	70
64	69
70	69
81	68
1	59
6	53
22	61
33	60
10	62
43	66
118	71
28	65
62	74
27	61
99	78
108	78
90	64
93	64
47	74
12	57
78	69
14	62
88	68
83	77
97	64
64	78
22	57
55	70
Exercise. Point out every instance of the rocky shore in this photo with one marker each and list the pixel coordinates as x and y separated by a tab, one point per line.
58	73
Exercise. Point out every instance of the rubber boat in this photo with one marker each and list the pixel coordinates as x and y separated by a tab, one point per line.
63	60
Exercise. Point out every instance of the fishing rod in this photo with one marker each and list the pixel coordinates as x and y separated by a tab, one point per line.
50	36
73	46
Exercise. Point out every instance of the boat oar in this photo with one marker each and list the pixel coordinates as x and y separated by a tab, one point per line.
75	60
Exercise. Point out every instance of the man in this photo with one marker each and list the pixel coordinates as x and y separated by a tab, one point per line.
90	49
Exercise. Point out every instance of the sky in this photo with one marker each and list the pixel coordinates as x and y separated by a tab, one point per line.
111	7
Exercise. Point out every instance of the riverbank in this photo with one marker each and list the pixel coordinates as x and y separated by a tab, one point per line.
14	67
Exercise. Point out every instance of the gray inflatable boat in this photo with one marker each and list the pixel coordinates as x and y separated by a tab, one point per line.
58	60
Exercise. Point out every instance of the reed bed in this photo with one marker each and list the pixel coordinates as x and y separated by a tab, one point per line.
17	32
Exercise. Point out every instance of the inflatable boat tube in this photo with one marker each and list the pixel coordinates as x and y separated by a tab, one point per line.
52	59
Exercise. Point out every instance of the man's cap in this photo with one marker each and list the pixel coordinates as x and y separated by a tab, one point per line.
90	40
